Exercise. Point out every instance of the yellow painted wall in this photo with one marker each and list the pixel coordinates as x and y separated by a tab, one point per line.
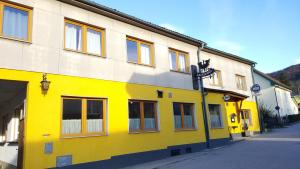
42	122
230	108
216	98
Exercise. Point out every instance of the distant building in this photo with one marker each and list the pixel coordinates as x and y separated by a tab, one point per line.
275	94
296	100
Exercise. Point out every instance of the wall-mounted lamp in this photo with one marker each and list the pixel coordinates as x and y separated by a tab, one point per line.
45	83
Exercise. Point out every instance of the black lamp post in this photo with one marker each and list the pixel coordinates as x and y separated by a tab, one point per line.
199	73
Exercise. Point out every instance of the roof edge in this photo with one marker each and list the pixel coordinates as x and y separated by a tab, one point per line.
228	55
123	17
276	82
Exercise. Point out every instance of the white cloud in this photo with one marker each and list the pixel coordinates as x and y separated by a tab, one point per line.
172	27
228	46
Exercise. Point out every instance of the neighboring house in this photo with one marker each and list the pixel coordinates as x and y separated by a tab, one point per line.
118	90
233	78
275	94
296	100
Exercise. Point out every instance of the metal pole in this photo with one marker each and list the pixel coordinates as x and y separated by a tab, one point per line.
203	103
260	116
278	110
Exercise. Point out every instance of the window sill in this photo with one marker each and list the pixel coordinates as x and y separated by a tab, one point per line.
143	131
15	39
189	129
177	71
85	53
151	66
216	128
82	136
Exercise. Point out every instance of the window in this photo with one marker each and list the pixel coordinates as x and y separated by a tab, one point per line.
178	61
246	116
183	115
83	116
241	82
215	116
216	79
142	116
84	38
15	21
140	52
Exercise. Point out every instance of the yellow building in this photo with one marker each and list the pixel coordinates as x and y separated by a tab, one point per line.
85	86
233	79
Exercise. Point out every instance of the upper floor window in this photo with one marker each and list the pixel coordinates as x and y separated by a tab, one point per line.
178	60
183	115
215	116
140	52
240	82
216	79
142	116
84	38
15	21
83	116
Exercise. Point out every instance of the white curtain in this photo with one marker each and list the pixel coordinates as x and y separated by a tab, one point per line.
149	123
73	37
181	62
71	126
94	125
178	123
15	23
134	124
145	54
94	42
172	60
188	121
215	120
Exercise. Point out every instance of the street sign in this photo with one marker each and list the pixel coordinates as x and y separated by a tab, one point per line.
255	88
226	97
209	72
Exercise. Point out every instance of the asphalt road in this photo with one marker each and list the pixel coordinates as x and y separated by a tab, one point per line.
279	149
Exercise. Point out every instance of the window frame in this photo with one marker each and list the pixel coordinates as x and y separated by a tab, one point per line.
244	83
84	132
142	115
139	42
182	116
84	28
187	62
220	81
221	117
29	23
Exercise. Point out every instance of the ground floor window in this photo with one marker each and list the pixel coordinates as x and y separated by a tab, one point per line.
83	116
142	116
183	115
215	115
246	117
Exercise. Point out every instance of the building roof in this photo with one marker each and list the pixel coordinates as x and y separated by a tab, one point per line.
123	17
228	55
276	82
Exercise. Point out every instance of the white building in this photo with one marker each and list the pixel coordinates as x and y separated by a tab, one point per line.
273	94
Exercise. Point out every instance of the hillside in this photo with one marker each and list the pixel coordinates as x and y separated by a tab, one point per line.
289	76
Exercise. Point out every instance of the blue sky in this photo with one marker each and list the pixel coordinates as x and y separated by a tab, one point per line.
265	31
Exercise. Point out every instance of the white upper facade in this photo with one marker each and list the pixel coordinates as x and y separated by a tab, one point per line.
46	52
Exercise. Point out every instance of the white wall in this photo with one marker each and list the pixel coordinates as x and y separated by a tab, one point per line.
229	68
46	53
268	97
